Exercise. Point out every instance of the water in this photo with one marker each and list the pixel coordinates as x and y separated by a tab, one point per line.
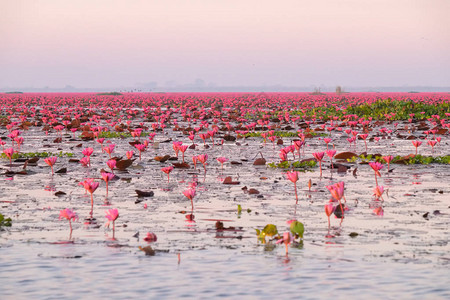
404	254
317	271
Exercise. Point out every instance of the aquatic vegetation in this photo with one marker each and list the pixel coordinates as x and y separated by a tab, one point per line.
296	165
5	222
17	155
269	230
290	130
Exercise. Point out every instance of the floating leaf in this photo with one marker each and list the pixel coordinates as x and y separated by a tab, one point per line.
229	138
181	165
259	162
253	192
123	164
33	160
297	228
87	135
229	180
144	194
61	171
270	230
162	159
345	155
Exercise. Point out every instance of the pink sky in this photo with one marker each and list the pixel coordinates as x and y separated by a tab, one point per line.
106	43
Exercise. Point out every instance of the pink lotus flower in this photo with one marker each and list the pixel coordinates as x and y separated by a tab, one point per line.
112	215
100	141
283	156
69	215
319	156
9	153
331	153
151	237
287	239
416	144
293	176
364	137
51	162
129	154
167	170
376	166
87	151
432	143
110	149
176	147
190	194
222	160
111	164
337	193
90	186
329	209
141	148
183	149
19	140
84	161
107	177
203	158
388	160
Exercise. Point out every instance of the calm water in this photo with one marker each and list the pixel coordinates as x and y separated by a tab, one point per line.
82	271
404	254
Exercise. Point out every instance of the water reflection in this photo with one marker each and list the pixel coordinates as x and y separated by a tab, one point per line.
51	186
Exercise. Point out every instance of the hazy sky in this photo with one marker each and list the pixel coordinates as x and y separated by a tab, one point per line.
108	43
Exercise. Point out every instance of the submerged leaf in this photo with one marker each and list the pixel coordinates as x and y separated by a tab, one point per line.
147	250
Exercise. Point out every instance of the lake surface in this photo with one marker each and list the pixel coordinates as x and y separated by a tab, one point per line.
402	254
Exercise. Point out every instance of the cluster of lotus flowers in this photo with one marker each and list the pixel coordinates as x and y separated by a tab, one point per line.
196	111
